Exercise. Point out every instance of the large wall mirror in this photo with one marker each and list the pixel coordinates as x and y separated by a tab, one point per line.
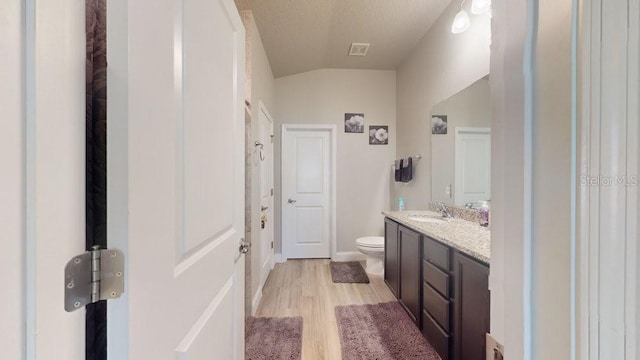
461	147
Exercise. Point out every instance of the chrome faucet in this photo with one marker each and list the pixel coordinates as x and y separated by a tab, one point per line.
445	212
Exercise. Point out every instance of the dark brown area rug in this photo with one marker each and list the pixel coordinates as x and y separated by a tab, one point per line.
348	272
380	331
271	338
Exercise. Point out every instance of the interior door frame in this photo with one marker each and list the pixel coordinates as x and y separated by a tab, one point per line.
606	306
333	136
262	109
46	124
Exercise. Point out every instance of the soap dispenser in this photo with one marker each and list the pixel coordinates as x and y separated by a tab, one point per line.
484	215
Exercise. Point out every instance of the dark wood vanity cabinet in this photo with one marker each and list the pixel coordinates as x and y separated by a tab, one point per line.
392	257
445	292
410	272
472	308
402	268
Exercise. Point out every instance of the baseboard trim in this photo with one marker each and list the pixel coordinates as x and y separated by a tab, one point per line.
256	301
278	258
339	256
349	256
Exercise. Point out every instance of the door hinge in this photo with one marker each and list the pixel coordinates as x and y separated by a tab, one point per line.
272	244
93	276
272	136
271	191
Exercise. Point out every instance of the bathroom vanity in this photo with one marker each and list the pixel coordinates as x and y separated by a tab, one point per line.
439	271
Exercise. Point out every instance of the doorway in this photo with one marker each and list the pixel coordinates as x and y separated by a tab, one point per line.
265	159
308	191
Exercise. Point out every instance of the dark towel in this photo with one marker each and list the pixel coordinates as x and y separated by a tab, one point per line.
398	170
407	170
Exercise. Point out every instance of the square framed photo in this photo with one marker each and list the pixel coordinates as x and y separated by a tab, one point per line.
353	123
439	124
378	135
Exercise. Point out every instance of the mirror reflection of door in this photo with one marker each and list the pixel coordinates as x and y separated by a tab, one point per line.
460	166
473	166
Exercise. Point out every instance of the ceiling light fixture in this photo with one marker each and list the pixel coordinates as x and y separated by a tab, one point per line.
461	22
480	6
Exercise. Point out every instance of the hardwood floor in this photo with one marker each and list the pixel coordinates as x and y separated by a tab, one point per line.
304	288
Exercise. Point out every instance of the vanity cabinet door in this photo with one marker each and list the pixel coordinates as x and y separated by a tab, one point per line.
411	273
392	256
472	306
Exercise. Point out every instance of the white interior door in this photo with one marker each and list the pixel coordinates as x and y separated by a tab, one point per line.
176	178
42	157
307	185
473	165
266	192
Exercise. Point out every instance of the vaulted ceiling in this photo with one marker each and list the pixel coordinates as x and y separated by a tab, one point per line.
304	35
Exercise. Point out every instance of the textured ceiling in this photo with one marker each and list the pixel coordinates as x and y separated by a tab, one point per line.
304	35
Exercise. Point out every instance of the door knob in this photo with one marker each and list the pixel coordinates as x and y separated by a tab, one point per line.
264	208
291	201
244	247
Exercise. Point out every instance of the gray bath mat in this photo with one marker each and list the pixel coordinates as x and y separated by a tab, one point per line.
348	272
272	338
381	331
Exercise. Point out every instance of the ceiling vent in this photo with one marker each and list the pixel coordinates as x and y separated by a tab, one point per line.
358	49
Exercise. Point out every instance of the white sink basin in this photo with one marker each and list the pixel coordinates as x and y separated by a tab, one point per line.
424	218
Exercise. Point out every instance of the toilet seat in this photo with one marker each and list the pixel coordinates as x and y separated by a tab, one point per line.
374	242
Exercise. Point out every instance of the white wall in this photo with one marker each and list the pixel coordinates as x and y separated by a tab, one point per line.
551	220
508	176
470	107
12	180
261	88
441	65
531	229
363	170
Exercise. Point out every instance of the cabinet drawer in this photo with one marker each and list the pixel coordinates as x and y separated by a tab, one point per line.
436	278
437	337
437	306
437	254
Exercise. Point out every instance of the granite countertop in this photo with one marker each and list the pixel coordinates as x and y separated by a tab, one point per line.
465	236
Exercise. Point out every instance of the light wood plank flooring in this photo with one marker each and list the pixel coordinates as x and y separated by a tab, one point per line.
304	288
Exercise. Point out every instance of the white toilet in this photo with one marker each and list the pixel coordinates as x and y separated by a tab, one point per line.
373	248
